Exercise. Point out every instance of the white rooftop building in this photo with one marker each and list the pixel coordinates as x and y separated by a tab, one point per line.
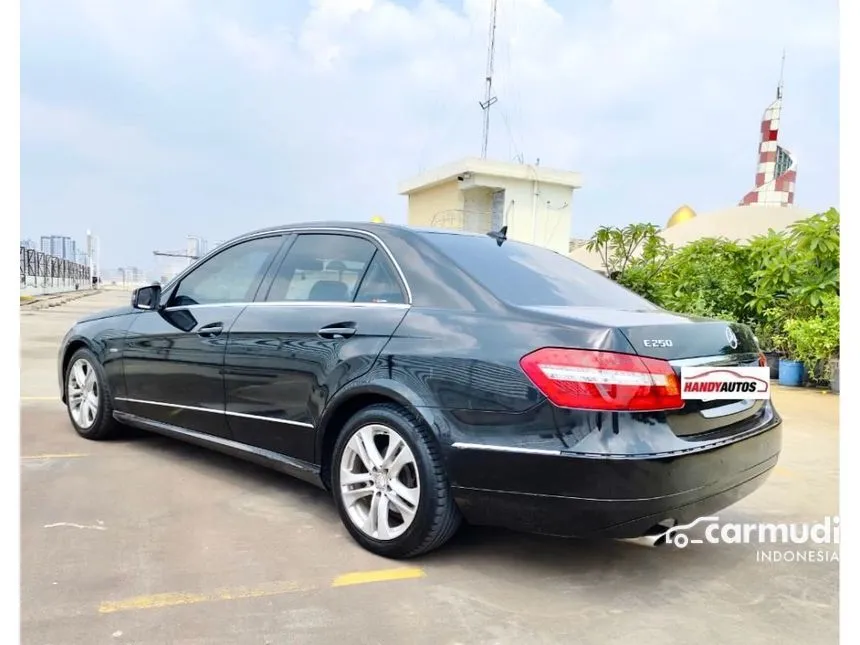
479	195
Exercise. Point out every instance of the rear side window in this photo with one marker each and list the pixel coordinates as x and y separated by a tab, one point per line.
379	283
322	268
531	276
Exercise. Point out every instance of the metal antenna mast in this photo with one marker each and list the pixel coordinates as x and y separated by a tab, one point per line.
781	72
489	99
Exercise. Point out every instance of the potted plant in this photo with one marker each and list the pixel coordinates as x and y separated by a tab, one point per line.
772	357
831	333
814	341
792	372
834	373
767	339
772	344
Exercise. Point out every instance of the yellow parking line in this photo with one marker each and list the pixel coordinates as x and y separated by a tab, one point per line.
175	599
69	455
785	472
382	575
156	601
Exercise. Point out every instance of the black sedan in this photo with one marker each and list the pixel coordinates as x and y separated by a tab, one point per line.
426	377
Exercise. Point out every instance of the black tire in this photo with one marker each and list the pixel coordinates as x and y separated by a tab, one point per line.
104	426
437	517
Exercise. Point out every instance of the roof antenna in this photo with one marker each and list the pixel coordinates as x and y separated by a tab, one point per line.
489	97
501	236
781	73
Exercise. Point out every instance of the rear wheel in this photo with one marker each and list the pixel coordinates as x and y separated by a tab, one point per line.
88	398
389	484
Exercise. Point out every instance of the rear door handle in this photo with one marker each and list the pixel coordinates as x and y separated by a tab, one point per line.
338	330
211	330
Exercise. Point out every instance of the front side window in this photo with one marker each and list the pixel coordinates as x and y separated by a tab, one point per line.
323	267
230	276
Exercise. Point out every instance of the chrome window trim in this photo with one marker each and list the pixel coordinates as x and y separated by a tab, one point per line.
300	229
294	303
192	408
330	303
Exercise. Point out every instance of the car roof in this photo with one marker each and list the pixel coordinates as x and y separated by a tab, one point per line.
400	230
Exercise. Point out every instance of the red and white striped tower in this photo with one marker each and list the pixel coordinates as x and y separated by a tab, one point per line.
777	167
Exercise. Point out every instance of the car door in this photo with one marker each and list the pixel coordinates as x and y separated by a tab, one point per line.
173	358
332	304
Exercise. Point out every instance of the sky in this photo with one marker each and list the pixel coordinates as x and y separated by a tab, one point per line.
147	122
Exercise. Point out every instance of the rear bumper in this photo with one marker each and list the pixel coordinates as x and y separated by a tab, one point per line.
579	495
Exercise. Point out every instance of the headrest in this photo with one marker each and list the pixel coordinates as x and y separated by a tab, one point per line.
329	291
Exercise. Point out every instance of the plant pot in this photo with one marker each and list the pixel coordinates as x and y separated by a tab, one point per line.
834	375
791	373
819	373
773	363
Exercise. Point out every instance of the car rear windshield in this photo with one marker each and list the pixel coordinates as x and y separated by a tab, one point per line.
531	276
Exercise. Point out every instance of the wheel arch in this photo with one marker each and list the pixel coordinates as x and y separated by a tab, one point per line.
348	402
71	347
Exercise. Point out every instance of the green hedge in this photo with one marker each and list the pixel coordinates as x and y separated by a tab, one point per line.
785	284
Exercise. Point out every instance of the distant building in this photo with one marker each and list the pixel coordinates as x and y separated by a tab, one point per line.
28	244
46	244
69	249
776	172
196	247
770	205
479	195
576	243
60	246
130	275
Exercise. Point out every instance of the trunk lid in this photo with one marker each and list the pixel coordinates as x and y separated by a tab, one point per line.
666	335
684	340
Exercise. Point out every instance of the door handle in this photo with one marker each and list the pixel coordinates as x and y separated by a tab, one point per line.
338	330
211	330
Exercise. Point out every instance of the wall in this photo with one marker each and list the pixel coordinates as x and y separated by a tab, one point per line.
554	215
740	223
436	205
535	213
478	209
42	286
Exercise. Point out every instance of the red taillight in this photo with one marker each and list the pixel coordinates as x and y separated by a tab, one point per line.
762	360
591	380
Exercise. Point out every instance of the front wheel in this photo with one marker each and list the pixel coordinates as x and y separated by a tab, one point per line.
88	398
389	484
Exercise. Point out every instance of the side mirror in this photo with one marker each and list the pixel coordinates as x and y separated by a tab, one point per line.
146	297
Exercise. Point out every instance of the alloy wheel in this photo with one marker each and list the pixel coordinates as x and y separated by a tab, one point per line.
379	483
83	393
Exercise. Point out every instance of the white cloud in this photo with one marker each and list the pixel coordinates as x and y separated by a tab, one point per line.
259	54
656	102
112	146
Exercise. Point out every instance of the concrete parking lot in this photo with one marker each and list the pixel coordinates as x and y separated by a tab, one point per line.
147	540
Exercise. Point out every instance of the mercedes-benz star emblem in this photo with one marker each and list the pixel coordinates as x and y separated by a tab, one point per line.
730	336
